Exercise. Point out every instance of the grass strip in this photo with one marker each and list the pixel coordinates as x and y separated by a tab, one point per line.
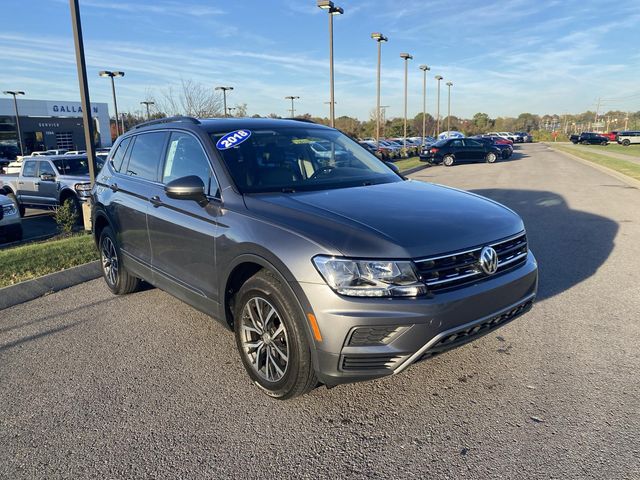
408	163
33	260
625	167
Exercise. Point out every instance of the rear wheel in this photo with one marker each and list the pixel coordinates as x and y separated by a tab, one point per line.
491	157
118	279
626	142
584	142
271	338
448	160
604	143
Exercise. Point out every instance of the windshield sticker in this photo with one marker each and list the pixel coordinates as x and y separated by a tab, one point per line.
232	139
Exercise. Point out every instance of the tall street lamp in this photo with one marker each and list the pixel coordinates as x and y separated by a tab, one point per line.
449	84
292	98
438	78
224	97
107	73
146	103
379	38
406	57
331	10
15	93
425	69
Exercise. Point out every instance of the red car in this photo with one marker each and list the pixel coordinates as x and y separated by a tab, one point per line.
612	136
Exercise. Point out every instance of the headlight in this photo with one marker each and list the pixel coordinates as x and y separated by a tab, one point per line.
370	278
9	209
83	189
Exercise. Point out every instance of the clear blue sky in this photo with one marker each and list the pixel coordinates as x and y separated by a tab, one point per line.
504	57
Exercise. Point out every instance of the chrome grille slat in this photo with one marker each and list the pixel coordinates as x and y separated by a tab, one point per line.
459	268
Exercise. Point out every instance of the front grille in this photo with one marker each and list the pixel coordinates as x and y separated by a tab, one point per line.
468	334
370	362
460	268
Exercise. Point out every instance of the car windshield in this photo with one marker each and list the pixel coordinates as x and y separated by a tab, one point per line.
299	159
72	166
440	143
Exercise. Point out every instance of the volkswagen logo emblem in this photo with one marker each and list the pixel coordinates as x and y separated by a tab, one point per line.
488	260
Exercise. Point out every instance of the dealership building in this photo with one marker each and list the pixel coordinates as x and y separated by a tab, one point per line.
48	124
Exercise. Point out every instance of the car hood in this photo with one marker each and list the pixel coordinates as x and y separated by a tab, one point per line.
407	219
74	178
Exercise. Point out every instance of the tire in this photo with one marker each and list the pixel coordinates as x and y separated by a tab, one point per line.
119	281
491	157
448	160
12	196
17	235
278	357
604	143
626	142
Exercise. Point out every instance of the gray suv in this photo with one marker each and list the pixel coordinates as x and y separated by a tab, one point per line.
330	268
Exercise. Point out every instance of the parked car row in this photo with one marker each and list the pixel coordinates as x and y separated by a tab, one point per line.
515	137
394	148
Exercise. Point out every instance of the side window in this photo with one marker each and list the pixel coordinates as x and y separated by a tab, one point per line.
456	143
45	168
29	169
472	143
185	157
118	155
145	155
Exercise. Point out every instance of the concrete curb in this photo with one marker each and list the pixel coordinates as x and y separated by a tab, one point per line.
53	282
620	176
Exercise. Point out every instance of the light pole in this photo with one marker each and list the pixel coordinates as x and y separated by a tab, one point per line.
438	78
449	84
331	10
85	101
15	93
107	73
425	69
379	38
383	117
146	103
292	98
406	57
224	97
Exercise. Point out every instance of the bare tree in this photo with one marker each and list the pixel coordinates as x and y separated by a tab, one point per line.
190	98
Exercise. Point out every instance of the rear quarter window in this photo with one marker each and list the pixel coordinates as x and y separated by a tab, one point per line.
119	154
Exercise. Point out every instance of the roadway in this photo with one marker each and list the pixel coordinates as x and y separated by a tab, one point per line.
97	386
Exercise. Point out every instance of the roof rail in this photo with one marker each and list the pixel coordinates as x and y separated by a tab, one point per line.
306	120
157	121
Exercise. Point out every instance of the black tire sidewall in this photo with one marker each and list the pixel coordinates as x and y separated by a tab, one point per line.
269	287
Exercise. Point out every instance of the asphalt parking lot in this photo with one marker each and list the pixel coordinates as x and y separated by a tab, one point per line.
97	386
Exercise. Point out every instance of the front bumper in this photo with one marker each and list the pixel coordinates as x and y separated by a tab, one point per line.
414	329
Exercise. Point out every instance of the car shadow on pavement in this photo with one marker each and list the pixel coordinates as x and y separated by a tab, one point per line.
570	245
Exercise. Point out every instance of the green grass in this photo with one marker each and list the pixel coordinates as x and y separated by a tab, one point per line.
408	163
631	150
622	166
25	262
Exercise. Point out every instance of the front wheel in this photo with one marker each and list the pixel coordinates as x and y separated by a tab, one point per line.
13	197
491	157
448	160
604	143
271	338
118	279
626	143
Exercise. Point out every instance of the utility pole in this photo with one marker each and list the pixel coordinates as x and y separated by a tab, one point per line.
449	84
224	97
425	69
15	93
597	110
439	79
87	120
379	38
292	98
146	103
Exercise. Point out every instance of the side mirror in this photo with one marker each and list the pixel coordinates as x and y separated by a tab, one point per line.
393	167
187	188
47	177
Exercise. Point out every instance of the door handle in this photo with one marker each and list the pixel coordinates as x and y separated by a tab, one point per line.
155	201
114	187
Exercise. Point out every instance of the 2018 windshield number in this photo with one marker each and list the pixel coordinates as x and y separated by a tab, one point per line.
235	138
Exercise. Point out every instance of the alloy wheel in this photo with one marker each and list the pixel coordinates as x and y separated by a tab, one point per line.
109	261
265	343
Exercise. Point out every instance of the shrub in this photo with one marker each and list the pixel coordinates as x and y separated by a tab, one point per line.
66	217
